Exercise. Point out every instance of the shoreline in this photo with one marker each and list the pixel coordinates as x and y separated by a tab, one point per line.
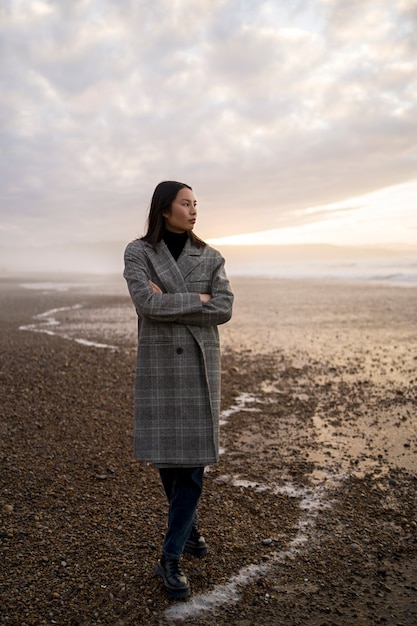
52	280
310	519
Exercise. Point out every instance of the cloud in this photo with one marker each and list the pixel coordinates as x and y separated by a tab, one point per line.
264	108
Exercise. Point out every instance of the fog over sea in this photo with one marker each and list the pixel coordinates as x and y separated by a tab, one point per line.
394	264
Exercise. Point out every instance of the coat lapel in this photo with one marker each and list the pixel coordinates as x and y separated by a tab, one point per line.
189	258
172	274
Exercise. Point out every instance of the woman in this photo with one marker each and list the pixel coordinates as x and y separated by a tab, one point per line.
181	293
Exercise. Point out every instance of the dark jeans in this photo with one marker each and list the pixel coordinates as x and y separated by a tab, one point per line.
183	487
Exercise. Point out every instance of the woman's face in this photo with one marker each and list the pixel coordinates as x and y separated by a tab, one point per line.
183	214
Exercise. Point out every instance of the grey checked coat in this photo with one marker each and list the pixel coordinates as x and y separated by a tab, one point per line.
177	385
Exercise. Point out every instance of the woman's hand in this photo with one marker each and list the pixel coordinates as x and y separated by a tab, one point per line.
155	287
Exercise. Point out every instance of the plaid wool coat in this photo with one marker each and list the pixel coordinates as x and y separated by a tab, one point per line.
177	382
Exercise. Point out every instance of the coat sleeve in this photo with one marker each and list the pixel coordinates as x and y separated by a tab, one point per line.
168	307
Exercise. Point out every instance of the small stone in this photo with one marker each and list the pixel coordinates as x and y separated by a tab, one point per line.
355	547
8	508
267	542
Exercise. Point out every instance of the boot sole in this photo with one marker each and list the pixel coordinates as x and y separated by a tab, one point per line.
176	594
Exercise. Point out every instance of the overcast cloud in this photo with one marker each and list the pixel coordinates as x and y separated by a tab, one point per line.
266	108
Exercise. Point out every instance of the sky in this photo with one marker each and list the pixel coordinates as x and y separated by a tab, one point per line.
294	122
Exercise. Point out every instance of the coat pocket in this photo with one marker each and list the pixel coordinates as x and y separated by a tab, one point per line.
199	286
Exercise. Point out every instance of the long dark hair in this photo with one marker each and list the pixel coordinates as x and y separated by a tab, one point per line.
162	199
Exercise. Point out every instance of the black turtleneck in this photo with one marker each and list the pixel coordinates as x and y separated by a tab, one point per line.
175	242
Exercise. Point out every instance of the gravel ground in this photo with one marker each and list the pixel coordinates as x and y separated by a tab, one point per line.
309	520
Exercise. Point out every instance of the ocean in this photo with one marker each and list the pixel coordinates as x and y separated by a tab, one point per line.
320	261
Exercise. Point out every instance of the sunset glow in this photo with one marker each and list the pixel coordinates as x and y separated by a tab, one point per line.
386	217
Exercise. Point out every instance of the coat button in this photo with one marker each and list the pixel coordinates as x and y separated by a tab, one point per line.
179	350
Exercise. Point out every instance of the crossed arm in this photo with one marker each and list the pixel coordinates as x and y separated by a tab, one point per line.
204	297
181	307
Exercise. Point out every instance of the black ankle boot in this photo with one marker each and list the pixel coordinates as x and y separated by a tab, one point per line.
175	581
195	544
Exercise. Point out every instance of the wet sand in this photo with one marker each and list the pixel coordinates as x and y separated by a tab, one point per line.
310	515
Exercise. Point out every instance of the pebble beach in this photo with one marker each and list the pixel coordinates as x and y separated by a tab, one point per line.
310	515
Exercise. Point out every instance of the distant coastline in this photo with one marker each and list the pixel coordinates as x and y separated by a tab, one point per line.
397	264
